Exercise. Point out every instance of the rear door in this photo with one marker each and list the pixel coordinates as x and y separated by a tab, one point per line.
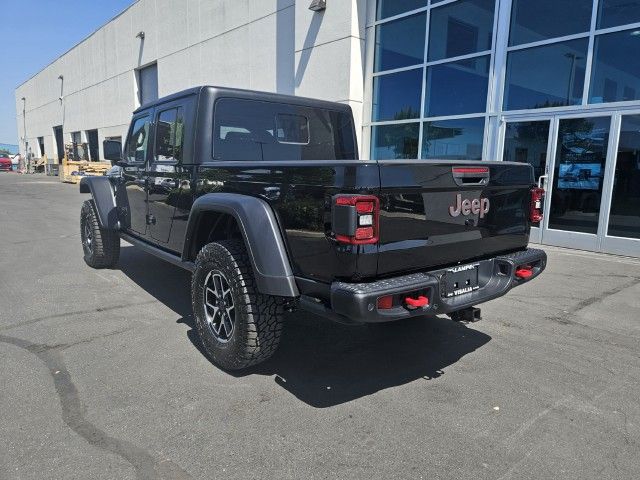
442	213
164	179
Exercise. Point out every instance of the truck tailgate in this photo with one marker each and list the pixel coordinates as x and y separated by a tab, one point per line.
438	213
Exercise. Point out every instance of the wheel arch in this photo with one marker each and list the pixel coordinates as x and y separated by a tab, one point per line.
104	199
256	225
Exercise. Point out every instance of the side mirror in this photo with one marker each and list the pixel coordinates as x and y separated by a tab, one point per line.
113	151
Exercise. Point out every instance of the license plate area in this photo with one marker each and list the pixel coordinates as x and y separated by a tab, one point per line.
461	280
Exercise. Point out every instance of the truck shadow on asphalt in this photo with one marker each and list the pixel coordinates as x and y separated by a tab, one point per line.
320	362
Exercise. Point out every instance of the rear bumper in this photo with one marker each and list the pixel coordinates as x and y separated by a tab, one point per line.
357	302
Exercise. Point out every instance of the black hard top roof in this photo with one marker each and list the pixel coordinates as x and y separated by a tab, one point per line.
218	92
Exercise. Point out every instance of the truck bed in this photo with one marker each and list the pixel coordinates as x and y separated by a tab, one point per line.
416	230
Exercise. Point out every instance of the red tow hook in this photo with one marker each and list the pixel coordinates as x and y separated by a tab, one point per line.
524	273
419	302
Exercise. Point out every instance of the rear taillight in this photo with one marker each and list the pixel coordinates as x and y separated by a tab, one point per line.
535	211
356	219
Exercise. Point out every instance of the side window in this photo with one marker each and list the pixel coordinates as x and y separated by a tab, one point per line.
169	136
138	140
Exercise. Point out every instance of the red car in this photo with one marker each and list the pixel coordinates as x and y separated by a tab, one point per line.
5	164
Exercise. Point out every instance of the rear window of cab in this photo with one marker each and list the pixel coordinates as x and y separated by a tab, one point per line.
252	130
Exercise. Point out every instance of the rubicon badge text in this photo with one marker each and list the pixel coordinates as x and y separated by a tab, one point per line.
467	207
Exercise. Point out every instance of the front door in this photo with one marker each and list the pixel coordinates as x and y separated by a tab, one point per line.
134	174
589	166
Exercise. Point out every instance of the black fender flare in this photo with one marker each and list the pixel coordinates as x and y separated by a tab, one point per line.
261	234
101	189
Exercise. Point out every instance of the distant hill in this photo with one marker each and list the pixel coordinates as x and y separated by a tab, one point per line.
12	149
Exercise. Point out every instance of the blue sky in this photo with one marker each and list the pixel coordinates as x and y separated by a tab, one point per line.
36	32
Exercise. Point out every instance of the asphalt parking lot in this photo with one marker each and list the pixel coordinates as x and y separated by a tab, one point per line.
102	377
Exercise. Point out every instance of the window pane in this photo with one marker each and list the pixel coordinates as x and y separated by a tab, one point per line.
547	76
527	142
395	141
397	96
624	220
400	43
457	88
544	19
292	128
389	8
253	130
578	174
138	140
461	28
612	13
616	68
148	84
460	139
169	133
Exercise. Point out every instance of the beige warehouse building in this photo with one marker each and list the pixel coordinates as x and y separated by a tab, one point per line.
157	47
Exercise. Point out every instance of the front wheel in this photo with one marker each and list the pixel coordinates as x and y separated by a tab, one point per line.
238	326
101	246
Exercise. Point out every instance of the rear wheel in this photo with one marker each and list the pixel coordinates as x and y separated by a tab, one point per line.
101	246
238	326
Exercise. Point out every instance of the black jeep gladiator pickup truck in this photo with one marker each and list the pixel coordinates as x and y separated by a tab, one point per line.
263	197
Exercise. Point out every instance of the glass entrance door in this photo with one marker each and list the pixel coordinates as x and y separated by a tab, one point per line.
529	141
577	180
589	166
623	220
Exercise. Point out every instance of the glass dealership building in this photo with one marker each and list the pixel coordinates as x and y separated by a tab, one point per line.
555	83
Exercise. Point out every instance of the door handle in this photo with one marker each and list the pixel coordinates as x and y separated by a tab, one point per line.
151	220
542	181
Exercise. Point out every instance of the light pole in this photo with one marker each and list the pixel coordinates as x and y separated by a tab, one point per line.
61	155
24	133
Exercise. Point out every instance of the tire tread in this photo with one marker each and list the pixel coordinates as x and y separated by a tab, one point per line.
106	243
262	315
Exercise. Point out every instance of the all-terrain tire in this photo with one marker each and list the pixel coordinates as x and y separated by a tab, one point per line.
101	246
258	318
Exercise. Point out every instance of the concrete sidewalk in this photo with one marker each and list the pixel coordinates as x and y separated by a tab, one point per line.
102	377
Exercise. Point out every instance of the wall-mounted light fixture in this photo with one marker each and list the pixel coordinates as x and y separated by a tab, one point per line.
61	78
140	35
318	5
